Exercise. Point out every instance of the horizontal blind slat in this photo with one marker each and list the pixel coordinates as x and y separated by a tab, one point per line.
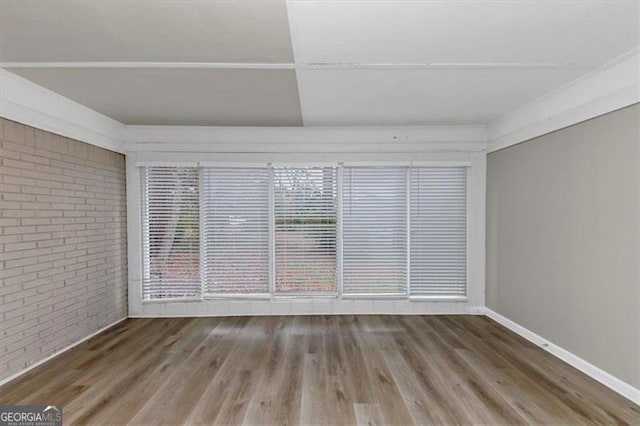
236	230
374	230
438	231
171	246
305	229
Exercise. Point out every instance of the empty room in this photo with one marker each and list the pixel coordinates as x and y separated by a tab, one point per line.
287	212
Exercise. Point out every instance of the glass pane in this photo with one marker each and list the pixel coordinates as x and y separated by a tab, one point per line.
305	230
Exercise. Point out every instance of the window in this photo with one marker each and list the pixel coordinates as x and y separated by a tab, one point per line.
272	231
236	230
438	231
305	229
375	230
171	234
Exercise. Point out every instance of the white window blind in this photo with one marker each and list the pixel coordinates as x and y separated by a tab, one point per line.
171	252
374	230
236	230
305	229
438	231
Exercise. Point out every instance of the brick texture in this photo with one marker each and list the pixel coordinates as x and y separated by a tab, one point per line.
63	268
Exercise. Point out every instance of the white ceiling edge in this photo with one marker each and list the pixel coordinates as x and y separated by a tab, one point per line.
305	139
305	65
28	103
154	65
613	86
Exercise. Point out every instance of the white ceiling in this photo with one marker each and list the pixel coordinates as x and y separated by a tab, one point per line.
508	32
190	97
145	31
421	96
317	63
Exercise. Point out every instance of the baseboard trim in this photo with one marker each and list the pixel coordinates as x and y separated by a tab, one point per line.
291	314
570	358
300	306
61	351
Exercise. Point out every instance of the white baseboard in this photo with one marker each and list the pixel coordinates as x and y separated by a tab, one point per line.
575	361
300	306
61	351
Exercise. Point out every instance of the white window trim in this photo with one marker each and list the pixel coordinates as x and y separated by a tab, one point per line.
231	165
340	304
339	235
140	164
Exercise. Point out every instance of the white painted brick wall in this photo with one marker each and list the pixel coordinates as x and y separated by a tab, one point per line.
63	247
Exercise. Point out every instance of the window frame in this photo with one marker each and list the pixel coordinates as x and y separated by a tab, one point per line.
145	244
403	171
453	297
205	245
272	295
311	294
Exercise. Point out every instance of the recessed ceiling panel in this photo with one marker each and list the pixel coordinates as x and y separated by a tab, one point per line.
418	96
197	97
583	32
139	31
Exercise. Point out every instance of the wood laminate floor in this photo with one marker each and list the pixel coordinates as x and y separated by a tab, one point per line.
335	370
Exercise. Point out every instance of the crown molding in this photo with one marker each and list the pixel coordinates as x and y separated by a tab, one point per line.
305	139
613	86
28	103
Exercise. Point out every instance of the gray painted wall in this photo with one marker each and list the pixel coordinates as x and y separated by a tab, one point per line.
563	236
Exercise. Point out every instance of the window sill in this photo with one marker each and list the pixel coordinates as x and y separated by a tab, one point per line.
277	297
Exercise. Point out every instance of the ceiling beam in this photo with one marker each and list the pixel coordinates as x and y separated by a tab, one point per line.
305	139
156	65
290	66
448	65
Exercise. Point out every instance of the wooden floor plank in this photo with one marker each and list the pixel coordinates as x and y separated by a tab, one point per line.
524	390
423	408
384	388
369	415
477	402
175	399
125	399
347	370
